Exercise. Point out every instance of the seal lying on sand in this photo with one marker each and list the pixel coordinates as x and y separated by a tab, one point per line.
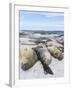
55	52
45	58
56	49
29	56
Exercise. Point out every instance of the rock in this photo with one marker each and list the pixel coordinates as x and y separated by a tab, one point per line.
45	58
28	58
55	52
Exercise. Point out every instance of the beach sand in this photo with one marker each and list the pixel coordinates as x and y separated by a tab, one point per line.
36	71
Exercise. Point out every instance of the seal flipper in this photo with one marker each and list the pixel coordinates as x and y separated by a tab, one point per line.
47	69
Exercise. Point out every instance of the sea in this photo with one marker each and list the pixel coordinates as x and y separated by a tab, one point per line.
41	33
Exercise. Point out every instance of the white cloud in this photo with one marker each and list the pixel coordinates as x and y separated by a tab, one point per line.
47	14
54	14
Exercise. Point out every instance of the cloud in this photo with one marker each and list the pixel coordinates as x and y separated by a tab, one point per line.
47	14
56	14
53	14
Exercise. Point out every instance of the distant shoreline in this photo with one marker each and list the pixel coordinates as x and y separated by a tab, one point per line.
42	31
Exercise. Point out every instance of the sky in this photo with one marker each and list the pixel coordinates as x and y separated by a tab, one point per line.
49	21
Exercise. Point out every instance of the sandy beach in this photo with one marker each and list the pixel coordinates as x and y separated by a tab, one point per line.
36	71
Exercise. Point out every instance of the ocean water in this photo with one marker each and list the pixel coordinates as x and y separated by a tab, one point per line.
43	31
40	33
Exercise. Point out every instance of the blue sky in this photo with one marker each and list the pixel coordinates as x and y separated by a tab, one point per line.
41	21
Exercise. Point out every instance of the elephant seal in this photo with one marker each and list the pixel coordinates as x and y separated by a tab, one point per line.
28	58
45	58
55	52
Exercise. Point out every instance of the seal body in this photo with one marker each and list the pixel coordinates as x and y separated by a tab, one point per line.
45	58
28	58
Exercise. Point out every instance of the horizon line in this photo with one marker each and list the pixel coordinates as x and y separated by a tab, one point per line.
39	30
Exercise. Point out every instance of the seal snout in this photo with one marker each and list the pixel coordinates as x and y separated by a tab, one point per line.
25	66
